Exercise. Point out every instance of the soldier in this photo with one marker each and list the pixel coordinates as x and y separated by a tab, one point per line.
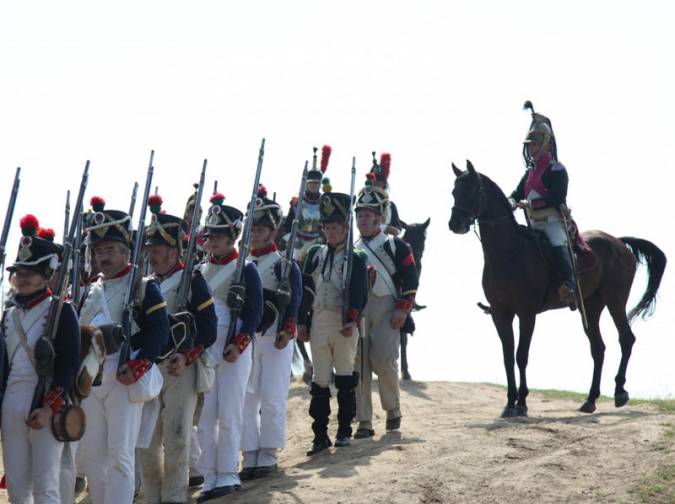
542	192
310	221
31	453
170	445
333	335
389	304
379	176
114	408
220	424
267	392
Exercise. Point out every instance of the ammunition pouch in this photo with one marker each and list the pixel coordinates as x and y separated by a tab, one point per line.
44	354
113	337
183	329
270	310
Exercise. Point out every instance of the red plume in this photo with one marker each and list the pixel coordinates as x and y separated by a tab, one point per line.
262	191
385	163
325	156
155	199
29	225
97	203
217	199
370	176
46	234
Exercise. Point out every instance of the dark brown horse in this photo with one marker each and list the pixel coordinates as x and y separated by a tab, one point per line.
519	280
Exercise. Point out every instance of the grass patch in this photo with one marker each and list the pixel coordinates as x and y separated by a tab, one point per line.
659	488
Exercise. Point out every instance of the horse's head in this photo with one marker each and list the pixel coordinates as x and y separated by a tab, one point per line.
469	199
415	235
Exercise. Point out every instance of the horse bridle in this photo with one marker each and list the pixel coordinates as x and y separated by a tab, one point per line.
474	215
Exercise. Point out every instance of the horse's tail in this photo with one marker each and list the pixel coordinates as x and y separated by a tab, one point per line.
654	258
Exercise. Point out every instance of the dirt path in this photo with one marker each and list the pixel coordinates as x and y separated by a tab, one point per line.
452	448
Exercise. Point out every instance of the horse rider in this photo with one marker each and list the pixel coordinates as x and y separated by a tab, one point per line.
264	432
165	462
333	335
542	192
108	445
221	420
31	453
391	299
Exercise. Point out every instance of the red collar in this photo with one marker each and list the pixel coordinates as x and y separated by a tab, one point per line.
225	259
123	272
34	302
180	266
368	238
267	249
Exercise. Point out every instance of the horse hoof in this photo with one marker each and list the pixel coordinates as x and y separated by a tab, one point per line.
406	376
509	412
587	407
621	399
521	411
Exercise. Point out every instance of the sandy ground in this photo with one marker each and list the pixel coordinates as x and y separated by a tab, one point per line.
452	448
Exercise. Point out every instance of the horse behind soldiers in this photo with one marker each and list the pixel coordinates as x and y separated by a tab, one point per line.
518	280
415	235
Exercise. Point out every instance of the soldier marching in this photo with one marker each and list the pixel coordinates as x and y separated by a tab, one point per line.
157	327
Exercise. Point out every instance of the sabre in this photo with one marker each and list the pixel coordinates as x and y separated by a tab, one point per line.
570	251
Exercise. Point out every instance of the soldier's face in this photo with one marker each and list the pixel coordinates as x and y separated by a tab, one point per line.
111	257
313	186
261	236
335	233
218	244
537	149
368	222
162	258
28	282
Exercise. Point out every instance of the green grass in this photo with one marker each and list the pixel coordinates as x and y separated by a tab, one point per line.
658	488
662	405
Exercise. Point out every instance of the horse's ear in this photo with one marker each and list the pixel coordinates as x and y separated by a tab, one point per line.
426	223
457	171
469	166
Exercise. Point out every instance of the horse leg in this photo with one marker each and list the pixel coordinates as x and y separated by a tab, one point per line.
524	340
594	306
504	323
405	375
626	340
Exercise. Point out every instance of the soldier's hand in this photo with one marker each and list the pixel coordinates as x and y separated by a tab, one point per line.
236	296
176	364
231	353
348	330
398	319
125	376
522	204
303	333
281	340
40	418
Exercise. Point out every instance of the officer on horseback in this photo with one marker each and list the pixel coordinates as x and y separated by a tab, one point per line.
542	193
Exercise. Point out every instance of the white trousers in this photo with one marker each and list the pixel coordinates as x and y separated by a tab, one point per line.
554	228
166	461
68	472
266	395
109	442
220	423
32	458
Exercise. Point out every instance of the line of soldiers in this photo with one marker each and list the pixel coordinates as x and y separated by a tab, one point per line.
216	354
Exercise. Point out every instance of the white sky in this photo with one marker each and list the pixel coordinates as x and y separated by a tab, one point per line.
430	82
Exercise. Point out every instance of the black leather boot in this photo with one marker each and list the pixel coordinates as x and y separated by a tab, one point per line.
567	290
319	410
346	397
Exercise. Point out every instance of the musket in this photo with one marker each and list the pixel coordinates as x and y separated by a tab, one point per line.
136	259
243	247
44	348
8	220
349	248
284	290
65	224
186	275
75	275
132	205
215	186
